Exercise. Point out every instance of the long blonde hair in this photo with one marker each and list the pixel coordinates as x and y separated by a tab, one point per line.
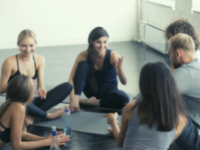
24	34
19	89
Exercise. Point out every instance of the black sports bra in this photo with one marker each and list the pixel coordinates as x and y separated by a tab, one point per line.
5	134
18	73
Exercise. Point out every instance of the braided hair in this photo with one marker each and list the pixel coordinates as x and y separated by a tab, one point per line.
95	34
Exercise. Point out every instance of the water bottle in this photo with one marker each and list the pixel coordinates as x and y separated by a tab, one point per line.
54	141
67	125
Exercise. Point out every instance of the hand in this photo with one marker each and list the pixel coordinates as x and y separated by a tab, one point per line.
111	118
74	105
62	139
42	93
120	61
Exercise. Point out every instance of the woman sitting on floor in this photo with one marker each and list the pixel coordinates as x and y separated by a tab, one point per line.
158	119
20	92
32	65
95	73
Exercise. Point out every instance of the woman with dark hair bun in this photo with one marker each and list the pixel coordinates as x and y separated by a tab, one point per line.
20	92
95	73
158	119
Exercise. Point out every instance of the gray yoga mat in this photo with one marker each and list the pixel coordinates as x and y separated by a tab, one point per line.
82	121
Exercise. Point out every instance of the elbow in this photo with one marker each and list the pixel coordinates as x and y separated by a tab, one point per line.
1	92
120	144
124	82
16	147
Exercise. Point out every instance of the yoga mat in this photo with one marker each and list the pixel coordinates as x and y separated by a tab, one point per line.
82	121
131	96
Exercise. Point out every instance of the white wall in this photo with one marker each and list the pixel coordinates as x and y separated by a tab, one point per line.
161	16
66	22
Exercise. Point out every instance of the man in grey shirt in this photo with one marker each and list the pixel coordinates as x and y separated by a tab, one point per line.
187	76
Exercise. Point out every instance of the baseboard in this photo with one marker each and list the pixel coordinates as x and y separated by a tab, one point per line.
71	41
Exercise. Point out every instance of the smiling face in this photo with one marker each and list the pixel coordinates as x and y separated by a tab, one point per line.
100	45
27	46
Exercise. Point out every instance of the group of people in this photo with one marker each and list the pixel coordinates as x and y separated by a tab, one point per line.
165	110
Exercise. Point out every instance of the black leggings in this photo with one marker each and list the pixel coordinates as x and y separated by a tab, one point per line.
56	95
108	93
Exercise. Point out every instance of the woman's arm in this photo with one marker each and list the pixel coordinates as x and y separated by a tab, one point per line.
181	125
6	71
119	134
74	103
40	78
30	137
17	120
117	61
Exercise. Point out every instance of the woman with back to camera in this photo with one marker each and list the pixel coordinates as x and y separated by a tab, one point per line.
95	73
20	92
32	65
158	119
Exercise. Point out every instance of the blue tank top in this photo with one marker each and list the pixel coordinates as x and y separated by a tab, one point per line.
141	137
5	134
107	73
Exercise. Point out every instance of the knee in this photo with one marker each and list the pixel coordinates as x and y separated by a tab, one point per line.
68	86
124	98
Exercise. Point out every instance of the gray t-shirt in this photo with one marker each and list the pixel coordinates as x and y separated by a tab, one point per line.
188	81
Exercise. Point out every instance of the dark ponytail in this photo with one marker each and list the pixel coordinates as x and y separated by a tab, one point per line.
95	34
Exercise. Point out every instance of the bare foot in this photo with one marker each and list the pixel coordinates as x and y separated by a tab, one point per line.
58	113
91	101
29	120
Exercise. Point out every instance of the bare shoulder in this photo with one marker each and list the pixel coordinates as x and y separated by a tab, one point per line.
40	60
83	55
17	108
39	57
114	54
129	108
114	57
10	60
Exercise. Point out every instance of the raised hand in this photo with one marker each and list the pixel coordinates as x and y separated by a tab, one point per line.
120	61
42	93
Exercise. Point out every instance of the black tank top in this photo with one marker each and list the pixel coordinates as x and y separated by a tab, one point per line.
5	135
18	73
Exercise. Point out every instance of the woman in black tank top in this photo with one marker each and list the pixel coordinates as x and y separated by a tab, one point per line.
32	65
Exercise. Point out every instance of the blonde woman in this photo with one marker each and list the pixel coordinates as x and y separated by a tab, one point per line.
32	65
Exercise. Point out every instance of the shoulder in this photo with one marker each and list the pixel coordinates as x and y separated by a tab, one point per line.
83	55
9	63
129	110
17	109
114	57
184	70
114	54
10	60
40	60
39	57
